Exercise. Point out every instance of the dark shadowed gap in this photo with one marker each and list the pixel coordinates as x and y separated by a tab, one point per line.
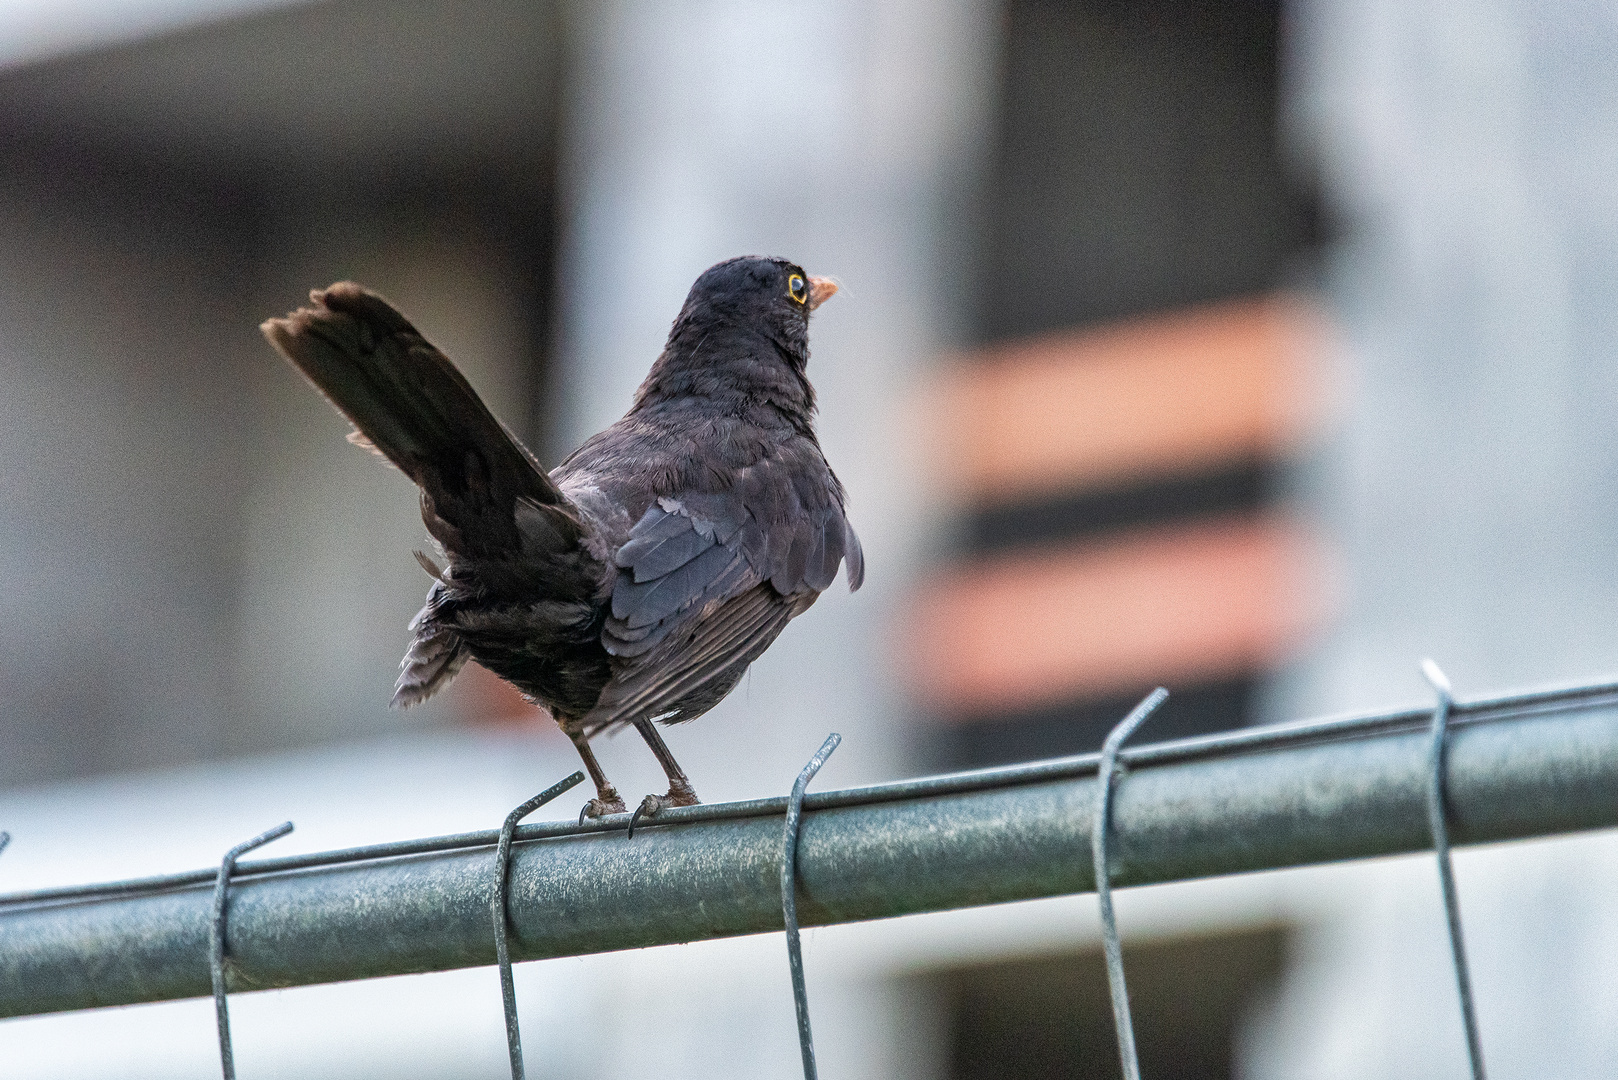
1079	727
1137	166
1051	1017
1230	488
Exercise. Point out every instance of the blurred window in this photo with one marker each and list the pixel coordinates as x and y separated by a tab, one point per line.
1134	391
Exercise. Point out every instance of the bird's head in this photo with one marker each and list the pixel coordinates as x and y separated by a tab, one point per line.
759	285
734	313
771	295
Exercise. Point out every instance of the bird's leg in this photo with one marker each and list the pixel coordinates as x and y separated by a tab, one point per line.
607	800
680	791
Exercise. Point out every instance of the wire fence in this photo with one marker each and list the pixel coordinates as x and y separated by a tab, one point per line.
1259	798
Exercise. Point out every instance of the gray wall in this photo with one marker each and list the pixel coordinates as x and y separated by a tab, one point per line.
1473	488
1472	494
196	565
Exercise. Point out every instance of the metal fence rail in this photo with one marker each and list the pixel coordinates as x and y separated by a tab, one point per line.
1250	800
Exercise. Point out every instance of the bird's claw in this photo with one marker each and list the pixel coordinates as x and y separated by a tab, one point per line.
606	803
652	805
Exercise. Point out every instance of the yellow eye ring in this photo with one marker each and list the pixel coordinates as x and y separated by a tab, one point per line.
797	289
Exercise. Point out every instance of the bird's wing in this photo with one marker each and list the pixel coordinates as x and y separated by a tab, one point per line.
707	581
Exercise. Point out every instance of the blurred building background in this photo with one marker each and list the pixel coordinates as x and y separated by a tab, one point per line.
1257	349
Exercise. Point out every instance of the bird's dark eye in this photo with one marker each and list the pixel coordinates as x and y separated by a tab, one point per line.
796	287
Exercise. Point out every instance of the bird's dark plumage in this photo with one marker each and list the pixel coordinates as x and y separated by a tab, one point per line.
639	578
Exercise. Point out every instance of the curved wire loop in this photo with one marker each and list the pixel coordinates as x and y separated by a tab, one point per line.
502	873
1106	774
1437	796
216	940
789	900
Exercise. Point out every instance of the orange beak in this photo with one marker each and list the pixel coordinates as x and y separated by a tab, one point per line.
820	290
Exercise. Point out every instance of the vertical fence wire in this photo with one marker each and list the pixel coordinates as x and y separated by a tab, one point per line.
1105	777
1437	795
216	940
502	952
789	901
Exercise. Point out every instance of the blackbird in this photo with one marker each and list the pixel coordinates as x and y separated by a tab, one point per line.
635	582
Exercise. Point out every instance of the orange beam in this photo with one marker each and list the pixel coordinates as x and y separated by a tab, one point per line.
1154	395
1172	604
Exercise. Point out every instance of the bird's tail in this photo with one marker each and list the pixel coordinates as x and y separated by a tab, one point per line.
411	405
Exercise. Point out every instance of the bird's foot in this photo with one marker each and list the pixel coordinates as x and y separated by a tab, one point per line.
606	802
680	794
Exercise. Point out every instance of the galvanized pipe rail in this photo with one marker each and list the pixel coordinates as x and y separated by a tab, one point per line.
1255	799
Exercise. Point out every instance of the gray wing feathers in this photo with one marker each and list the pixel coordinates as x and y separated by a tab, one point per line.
639	604
855	554
706	581
731	637
665	555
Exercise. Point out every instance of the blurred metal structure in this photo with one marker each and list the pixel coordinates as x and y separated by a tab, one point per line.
502	866
216	940
789	900
1107	772
1438	813
1261	798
